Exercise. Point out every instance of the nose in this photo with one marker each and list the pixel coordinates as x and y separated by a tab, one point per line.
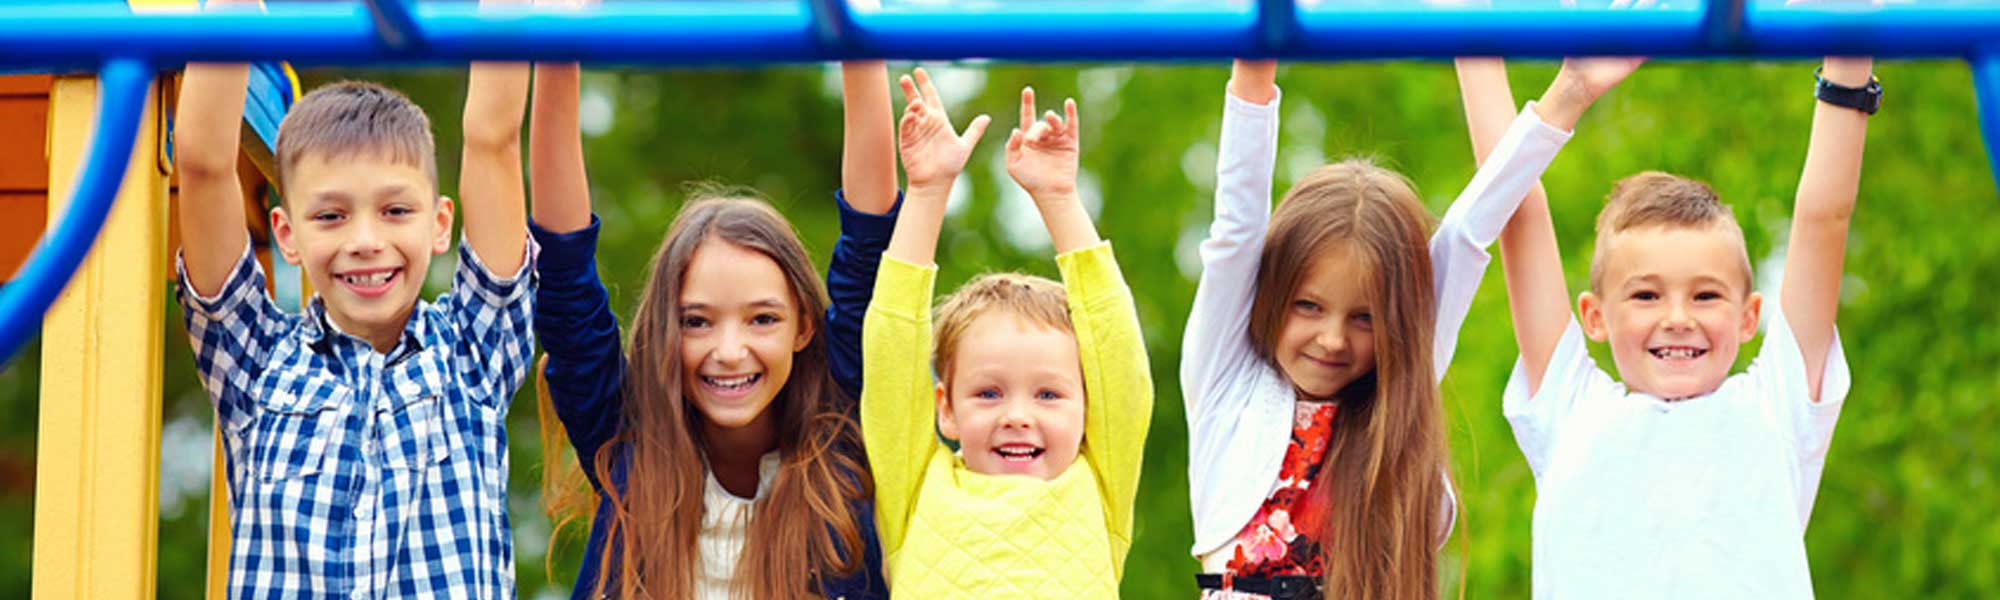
1332	338
1678	317
1015	415
367	236
731	346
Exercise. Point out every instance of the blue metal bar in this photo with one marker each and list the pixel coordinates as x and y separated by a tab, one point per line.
121	99
1986	83
832	21
1722	21
711	31
394	24
1277	25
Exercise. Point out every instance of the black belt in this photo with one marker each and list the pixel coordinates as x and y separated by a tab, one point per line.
1282	587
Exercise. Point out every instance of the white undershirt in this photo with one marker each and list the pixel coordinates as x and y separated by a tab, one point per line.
725	518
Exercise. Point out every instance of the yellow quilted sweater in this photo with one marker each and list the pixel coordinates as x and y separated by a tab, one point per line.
948	532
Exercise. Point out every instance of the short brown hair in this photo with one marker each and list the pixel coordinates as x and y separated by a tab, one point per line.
1036	300
1656	199
353	118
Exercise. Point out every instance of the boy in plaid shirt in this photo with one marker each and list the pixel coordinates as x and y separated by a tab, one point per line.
366	438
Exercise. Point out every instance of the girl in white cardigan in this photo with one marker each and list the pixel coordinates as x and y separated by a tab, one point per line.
1314	347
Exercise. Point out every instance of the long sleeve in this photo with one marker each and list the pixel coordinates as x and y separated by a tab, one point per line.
1118	381
899	404
573	318
1474	221
1216	341
850	282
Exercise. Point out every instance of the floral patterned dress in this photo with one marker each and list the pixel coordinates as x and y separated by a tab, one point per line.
1278	540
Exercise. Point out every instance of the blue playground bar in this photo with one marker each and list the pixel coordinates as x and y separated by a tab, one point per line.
126	49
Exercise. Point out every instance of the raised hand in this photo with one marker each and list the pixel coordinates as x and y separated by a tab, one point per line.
1041	153
933	153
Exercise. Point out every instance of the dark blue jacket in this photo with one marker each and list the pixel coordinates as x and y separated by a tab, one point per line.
586	368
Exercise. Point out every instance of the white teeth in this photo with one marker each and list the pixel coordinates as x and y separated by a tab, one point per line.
369	280
1678	353
1017	452
732	382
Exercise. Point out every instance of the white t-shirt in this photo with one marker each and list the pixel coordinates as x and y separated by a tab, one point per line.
1706	497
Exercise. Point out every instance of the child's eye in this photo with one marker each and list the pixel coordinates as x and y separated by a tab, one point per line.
328	217
1363	319
694	322
765	319
987	394
1645	296
1305	306
398	211
1048	395
1707	296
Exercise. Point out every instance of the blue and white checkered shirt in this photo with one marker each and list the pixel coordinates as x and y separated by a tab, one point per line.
356	474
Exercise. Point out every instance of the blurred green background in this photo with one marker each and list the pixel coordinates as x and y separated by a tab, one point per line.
1905	505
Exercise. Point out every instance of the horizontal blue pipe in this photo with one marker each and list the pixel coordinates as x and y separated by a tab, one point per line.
711	31
121	98
395	25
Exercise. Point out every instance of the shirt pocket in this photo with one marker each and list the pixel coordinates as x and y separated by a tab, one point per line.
294	428
413	432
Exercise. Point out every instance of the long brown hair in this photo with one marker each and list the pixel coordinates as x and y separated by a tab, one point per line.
803	530
1381	474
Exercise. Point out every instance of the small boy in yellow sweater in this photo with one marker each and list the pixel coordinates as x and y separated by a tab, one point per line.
1044	386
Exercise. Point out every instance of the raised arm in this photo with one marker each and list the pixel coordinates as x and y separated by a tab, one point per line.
207	125
1042	157
933	156
868	138
1820	215
490	186
559	183
1537	295
1216	341
1536	291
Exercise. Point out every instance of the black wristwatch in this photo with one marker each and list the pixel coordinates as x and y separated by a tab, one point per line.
1866	98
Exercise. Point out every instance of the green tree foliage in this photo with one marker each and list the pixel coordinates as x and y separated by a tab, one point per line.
1909	480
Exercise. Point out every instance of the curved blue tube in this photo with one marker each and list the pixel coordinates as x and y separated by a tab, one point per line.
121	96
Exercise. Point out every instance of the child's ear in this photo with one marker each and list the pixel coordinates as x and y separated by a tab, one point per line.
441	236
1592	311
1753	308
946	424
805	337
281	230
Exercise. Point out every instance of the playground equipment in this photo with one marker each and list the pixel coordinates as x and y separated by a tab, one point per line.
127	47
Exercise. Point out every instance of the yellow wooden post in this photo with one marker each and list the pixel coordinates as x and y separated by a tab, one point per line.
97	482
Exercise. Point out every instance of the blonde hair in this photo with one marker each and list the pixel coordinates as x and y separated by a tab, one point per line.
1379	538
1037	300
356	118
1656	199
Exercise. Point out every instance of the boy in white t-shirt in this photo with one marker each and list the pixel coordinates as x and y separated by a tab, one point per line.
1684	481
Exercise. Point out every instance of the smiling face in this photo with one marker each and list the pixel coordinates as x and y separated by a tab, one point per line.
739	328
1327	339
1014	397
1675	306
363	228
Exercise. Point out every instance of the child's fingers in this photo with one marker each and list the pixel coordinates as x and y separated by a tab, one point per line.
910	89
1014	141
1027	107
975	129
930	90
1069	108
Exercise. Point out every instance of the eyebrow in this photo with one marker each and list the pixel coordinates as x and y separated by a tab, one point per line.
773	303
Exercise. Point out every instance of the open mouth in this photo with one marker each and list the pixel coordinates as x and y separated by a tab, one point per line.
1018	452
1677	352
732	384
372	282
